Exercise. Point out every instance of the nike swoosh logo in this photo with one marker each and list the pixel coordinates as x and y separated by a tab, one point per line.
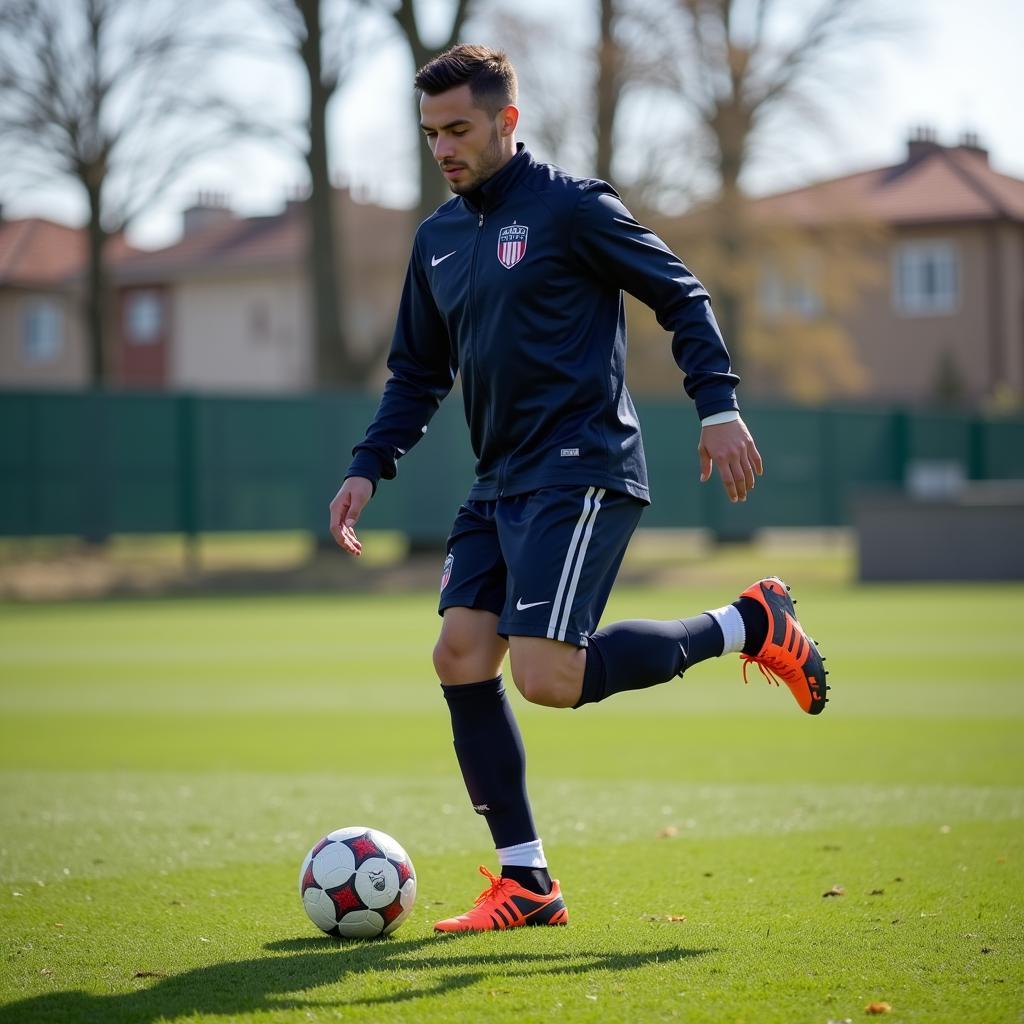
520	607
434	260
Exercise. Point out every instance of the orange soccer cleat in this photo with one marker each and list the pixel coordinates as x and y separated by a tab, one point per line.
787	653
506	904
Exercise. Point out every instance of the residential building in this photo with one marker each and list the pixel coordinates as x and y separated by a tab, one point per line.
898	284
41	329
944	316
226	308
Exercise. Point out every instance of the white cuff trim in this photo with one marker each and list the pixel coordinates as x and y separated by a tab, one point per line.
720	417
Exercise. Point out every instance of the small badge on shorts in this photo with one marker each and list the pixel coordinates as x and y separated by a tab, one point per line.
446	572
570	453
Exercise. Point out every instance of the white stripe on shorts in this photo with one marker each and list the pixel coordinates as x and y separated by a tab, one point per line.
567	564
579	564
576	553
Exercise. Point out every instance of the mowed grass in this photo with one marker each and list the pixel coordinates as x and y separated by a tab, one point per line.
164	766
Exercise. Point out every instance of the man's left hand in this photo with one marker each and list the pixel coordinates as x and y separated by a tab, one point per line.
730	448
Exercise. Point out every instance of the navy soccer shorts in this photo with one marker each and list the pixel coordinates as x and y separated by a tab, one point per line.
543	562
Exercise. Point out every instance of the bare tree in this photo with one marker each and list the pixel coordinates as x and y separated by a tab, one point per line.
327	39
553	69
608	88
433	191
113	96
570	84
742	67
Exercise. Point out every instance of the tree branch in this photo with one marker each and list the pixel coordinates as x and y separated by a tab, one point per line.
461	11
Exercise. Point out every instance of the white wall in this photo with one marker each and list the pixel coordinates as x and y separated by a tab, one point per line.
240	334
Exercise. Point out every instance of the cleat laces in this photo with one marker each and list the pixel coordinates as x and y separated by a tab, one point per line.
771	668
495	890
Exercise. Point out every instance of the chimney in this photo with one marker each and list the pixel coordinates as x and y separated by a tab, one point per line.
969	141
923	140
209	210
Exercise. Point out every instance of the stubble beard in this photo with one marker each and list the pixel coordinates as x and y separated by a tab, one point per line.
487	165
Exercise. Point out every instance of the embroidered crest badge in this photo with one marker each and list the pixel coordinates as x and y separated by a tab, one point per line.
446	572
512	244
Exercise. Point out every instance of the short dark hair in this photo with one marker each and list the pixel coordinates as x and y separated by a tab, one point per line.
488	73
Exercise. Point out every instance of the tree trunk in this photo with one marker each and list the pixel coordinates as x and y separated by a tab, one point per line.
608	74
96	293
333	366
732	127
728	297
433	190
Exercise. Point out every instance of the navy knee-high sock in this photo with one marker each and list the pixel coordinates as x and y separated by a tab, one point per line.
638	653
492	758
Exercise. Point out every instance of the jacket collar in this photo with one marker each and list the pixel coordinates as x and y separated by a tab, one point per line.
496	187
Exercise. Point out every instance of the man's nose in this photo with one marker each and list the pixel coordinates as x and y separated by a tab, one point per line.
444	149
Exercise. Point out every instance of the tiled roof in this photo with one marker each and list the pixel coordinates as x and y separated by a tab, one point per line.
35	252
232	243
936	185
40	253
278	241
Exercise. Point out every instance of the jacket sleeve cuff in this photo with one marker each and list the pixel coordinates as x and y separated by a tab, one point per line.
366	465
710	402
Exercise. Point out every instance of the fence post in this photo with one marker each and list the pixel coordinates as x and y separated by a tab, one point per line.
976	468
188	480
829	471
94	473
900	445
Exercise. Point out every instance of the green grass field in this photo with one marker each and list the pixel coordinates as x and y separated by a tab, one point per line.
164	766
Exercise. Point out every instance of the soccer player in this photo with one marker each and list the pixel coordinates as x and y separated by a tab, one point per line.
516	283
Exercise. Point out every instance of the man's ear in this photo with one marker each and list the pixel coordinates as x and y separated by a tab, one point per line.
508	118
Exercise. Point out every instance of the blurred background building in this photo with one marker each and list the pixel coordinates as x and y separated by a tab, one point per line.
213	204
934	313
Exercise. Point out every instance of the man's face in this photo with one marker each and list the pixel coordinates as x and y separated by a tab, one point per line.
468	144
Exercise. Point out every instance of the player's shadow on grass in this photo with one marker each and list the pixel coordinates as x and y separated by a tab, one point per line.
280	982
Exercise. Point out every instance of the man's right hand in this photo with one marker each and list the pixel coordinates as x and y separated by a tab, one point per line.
346	508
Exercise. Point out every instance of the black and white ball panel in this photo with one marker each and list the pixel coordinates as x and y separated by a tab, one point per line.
357	882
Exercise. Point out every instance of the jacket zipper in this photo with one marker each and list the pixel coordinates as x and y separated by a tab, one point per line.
501	464
473	320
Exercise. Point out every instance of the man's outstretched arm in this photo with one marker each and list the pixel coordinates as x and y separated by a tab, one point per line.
612	245
423	369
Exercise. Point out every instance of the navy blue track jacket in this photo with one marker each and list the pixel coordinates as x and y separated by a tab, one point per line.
518	287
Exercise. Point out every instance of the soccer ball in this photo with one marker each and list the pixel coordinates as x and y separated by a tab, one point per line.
357	883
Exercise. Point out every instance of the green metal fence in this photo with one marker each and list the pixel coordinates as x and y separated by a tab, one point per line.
101	464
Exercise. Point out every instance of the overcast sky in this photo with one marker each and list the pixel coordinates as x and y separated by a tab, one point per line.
959	68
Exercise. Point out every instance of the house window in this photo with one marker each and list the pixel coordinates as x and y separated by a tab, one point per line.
926	279
783	296
145	317
42	331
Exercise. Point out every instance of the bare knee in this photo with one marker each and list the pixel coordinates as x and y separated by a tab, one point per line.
450	657
547	672
538	687
469	649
